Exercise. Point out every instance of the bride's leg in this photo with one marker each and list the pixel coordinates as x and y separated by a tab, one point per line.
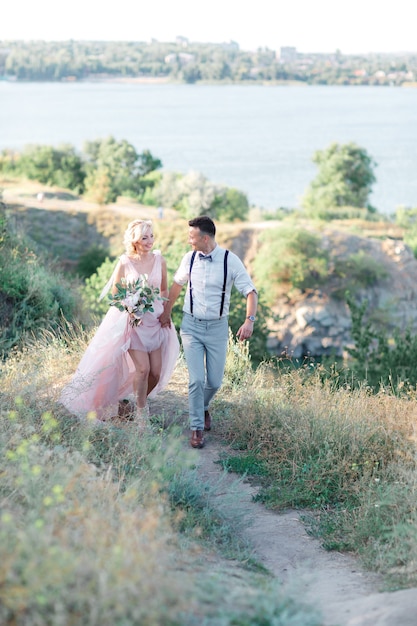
141	361
155	363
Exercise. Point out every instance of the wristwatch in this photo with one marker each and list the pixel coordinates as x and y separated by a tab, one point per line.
252	318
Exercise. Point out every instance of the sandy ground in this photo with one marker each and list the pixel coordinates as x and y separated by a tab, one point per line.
336	584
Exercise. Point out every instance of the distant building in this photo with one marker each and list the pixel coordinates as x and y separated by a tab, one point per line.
183	58
186	58
171	58
230	45
288	54
181	41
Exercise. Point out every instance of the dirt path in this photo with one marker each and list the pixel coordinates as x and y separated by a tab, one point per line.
335	583
345	593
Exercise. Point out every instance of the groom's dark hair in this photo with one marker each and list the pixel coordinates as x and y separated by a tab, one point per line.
205	224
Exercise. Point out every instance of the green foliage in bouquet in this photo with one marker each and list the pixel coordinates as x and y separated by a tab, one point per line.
136	298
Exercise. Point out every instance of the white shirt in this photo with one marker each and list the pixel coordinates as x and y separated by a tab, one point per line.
207	282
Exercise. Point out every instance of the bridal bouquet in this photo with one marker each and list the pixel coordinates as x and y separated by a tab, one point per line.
135	298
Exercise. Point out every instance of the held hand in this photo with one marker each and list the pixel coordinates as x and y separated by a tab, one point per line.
245	331
165	319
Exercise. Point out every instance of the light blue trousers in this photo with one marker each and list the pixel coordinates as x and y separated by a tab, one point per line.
205	348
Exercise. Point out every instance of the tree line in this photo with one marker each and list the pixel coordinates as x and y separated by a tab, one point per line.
108	168
193	62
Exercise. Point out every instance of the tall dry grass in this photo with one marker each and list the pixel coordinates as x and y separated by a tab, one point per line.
347	455
100	526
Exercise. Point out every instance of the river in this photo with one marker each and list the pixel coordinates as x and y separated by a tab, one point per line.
256	138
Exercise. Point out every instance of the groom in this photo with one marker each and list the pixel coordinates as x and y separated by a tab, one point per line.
209	272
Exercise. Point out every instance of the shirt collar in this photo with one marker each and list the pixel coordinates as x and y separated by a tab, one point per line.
214	251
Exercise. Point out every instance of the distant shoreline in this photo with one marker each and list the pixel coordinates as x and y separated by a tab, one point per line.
146	80
165	80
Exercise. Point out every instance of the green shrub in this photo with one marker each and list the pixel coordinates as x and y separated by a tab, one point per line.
60	166
410	238
407	219
289	255
148	184
378	358
342	213
91	260
39	297
358	271
94	285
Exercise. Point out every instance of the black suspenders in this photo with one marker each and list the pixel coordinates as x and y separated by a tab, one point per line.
191	287
224	281
226	253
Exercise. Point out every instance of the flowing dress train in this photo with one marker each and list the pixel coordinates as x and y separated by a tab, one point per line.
106	371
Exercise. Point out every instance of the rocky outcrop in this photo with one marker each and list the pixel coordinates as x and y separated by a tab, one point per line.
312	324
316	323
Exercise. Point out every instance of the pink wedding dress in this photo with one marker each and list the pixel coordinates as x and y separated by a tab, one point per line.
106	371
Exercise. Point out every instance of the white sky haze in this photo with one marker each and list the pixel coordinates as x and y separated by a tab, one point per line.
357	26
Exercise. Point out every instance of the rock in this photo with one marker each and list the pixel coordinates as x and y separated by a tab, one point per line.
316	323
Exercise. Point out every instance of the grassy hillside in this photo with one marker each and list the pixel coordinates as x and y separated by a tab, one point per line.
126	525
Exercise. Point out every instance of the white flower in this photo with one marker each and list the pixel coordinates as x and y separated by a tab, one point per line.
136	298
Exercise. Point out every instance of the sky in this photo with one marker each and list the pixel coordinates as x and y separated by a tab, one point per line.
357	26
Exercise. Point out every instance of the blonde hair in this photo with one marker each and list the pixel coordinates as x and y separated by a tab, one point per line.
133	233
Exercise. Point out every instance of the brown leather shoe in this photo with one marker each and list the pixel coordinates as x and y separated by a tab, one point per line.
197	439
207	420
126	410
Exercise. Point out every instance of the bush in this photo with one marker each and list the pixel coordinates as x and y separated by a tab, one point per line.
289	255
38	296
60	166
343	213
359	270
407	219
90	260
94	285
380	359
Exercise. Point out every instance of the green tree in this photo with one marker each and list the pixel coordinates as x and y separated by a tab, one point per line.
166	191
191	74
345	178
231	205
147	163
97	186
120	163
60	166
197	195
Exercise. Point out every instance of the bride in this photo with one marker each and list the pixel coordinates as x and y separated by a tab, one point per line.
126	360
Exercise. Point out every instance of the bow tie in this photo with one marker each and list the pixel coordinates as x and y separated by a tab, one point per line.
203	257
